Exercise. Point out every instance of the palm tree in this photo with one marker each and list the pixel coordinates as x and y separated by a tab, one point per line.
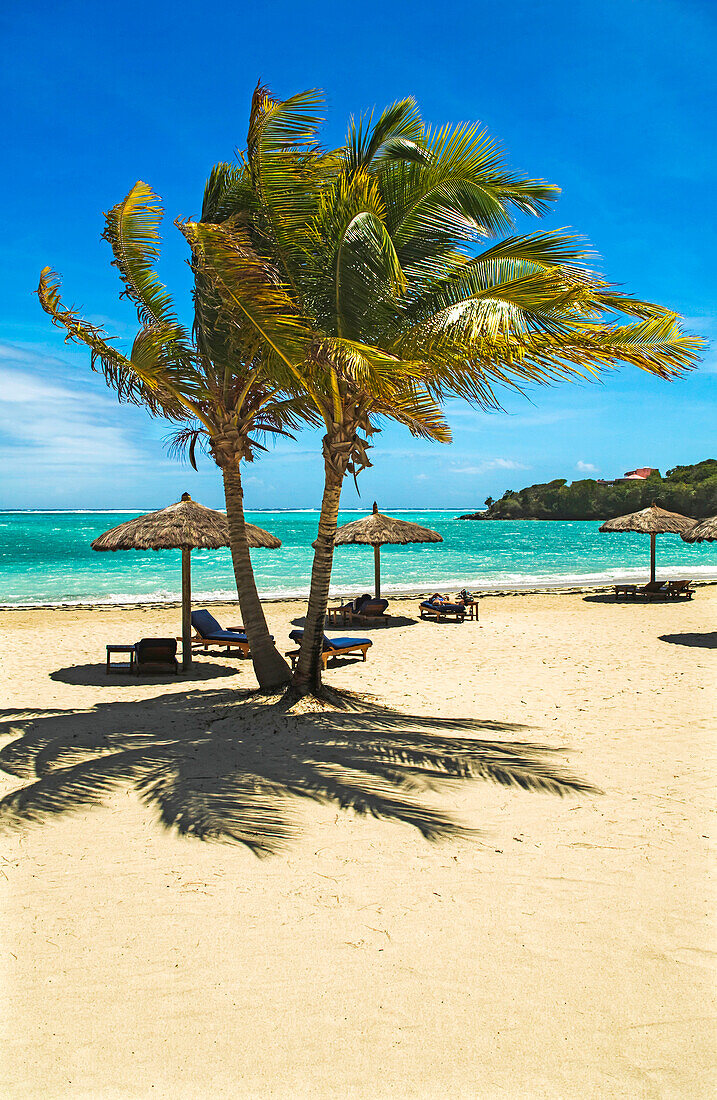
355	271
213	385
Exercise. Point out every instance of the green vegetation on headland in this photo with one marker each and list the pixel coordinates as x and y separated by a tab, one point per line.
689	490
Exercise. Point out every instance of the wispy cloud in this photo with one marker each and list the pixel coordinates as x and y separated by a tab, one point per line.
49	423
586	467
489	464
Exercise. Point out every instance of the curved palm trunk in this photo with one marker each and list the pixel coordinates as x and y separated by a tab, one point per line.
270	668
307	677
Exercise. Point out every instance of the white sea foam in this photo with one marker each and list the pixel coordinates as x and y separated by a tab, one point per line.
495	583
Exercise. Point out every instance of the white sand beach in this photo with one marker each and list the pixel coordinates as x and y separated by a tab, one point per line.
565	952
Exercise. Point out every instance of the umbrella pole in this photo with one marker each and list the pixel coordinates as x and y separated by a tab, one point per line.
653	538
377	570
186	609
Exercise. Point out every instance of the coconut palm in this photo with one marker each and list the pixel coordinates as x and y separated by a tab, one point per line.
213	385
355	271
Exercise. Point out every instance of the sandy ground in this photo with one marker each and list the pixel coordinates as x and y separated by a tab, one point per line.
566	951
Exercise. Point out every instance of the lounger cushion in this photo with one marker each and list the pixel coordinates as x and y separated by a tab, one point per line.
205	624
209	629
453	608
332	643
225	636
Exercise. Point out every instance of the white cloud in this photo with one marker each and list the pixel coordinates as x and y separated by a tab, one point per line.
49	423
586	467
490	464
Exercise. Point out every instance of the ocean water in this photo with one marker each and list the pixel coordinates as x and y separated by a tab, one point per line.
46	558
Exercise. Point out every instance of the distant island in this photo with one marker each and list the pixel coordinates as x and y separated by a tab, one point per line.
690	490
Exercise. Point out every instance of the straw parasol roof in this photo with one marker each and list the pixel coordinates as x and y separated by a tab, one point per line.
651	521
378	530
186	525
704	531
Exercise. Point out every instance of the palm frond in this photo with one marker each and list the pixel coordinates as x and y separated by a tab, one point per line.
132	230
396	135
281	140
251	290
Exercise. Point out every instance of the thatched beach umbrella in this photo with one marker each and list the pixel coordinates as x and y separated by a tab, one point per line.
704	531
184	526
378	530
651	521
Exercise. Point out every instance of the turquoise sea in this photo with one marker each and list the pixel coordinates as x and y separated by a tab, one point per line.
46	558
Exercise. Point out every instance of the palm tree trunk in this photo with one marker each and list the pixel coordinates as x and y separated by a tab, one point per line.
307	677
270	668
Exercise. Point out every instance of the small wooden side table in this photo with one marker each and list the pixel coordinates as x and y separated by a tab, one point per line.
333	613
123	666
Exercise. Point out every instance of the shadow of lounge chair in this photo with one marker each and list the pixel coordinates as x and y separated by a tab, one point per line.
333	647
208	632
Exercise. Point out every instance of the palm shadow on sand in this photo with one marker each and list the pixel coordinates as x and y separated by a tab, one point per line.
377	623
227	765
707	640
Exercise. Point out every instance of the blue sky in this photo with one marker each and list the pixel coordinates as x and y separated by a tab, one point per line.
612	101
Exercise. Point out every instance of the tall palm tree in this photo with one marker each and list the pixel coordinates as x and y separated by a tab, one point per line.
355	271
214	385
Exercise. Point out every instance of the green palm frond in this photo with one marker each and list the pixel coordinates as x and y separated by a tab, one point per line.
228	194
368	277
251	289
130	382
397	134
281	140
414	407
459	194
132	230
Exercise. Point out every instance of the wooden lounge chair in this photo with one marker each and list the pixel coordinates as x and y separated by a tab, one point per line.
333	647
208	632
438	607
363	607
627	590
679	589
155	655
652	589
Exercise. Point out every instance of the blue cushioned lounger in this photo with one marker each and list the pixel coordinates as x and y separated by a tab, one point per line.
333	647
438	609
209	632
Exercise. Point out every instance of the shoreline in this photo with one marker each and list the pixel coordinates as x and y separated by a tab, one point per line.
568	589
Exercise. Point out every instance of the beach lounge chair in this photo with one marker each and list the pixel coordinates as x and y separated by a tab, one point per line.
652	589
437	607
155	655
333	647
679	589
629	591
363	607
208	632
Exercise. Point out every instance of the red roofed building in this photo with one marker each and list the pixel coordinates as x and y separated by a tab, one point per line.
641	474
